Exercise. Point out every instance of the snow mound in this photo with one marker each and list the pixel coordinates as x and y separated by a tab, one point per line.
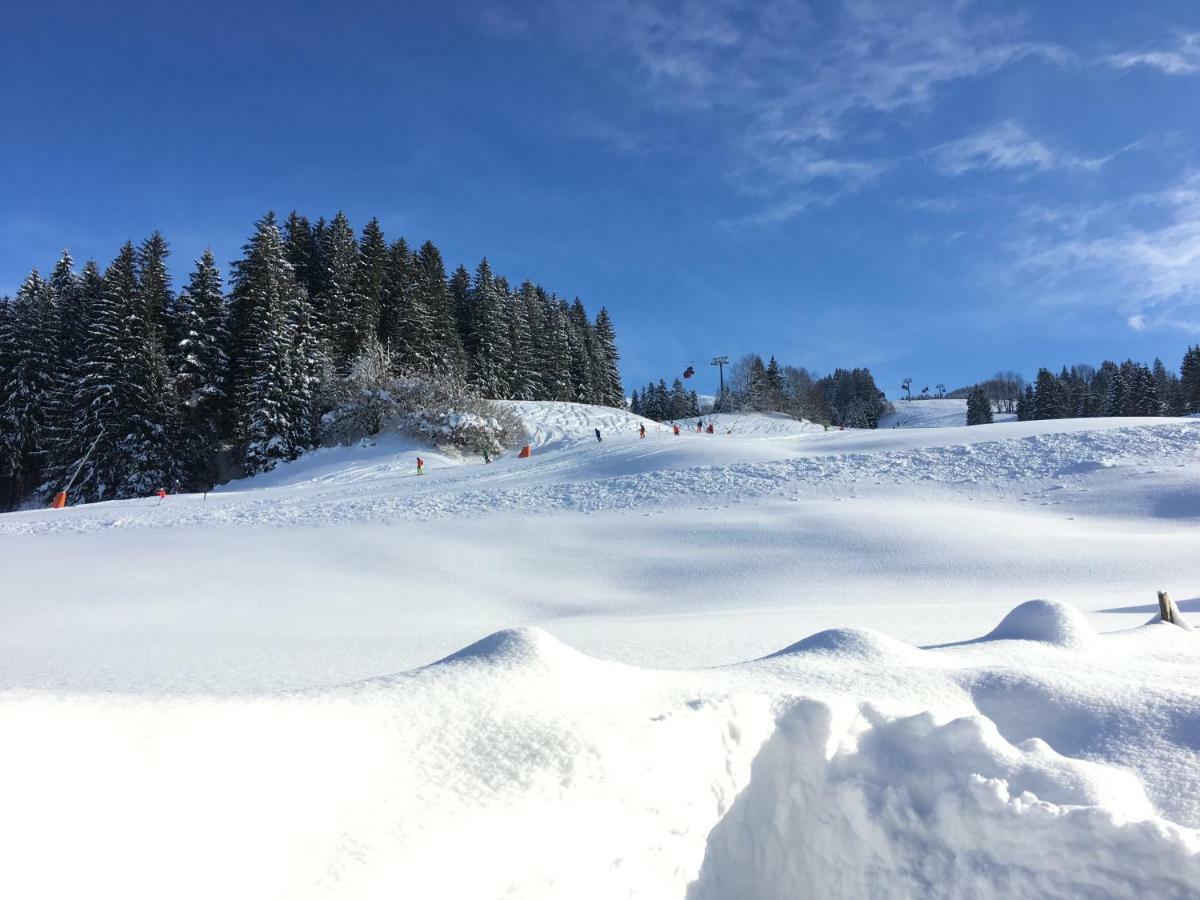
909	807
860	645
513	647
1047	621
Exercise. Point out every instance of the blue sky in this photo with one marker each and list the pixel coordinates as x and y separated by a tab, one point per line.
935	189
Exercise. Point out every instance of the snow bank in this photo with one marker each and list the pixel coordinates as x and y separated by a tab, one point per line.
860	645
519	767
912	808
1047	621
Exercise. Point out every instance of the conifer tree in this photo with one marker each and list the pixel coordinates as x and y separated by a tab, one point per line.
555	351
1143	393
1027	405
490	350
1115	395
10	487
399	325
523	376
979	407
300	248
200	373
341	301
460	294
1189	381
612	392
137	285
579	340
443	355
372	280
30	381
265	295
1047	402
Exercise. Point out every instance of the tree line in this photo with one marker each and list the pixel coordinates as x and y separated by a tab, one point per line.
1112	389
119	381
847	397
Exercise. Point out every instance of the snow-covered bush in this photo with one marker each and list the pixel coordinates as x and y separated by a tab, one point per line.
448	412
441	408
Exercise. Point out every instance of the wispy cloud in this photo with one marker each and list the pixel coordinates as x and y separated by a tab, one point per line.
1006	146
1181	59
792	91
1150	272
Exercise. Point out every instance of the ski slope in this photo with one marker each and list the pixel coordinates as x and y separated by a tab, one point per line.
932	414
774	661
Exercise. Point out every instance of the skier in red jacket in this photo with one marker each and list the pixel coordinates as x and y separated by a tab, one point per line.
420	466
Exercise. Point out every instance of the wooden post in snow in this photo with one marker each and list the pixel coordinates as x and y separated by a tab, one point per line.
1167	608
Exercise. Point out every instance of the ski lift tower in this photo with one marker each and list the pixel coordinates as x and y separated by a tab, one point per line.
721	362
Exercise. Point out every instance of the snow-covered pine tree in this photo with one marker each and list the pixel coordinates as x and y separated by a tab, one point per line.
1189	381
1164	387
979	407
27	396
556	352
693	404
1143	393
154	289
635	403
678	401
1026	405
460	293
579	338
264	298
523	379
103	396
372	280
200	371
342	302
1047	396
1115	395
71	315
145	441
444	354
398	322
10	491
773	386
490	351
301	249
612	392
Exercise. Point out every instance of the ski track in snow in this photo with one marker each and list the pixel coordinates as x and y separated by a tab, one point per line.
556	486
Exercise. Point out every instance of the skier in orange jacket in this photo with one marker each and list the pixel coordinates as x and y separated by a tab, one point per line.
420	466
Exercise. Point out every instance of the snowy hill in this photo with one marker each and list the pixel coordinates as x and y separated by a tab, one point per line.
773	661
932	414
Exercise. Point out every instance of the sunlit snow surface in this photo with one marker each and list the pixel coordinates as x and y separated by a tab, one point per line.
770	662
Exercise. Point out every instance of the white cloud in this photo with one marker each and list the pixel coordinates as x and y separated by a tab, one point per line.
1182	59
1150	271
783	90
1005	146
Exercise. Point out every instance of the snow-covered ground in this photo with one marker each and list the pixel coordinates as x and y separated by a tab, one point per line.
774	661
932	414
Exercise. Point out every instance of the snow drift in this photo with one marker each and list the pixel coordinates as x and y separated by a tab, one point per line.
519	767
191	701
